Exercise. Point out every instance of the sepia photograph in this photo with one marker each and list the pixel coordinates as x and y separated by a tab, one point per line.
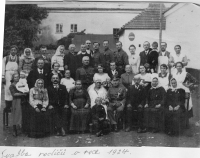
100	74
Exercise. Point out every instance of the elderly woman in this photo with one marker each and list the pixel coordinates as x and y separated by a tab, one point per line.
153	110
174	108
38	99
127	77
26	61
80	111
9	67
186	81
16	110
59	57
134	59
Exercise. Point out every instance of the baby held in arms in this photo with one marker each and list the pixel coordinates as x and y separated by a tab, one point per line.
22	85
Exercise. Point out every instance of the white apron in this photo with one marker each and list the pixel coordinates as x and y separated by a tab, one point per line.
180	79
164	82
10	69
177	59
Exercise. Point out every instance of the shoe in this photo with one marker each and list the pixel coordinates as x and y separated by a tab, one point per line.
63	132
139	130
155	131
144	130
128	129
98	133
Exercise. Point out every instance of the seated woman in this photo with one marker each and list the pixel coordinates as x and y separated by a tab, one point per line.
99	117
80	111
174	108
145	78
100	76
127	77
26	61
164	77
153	110
186	81
39	100
16	110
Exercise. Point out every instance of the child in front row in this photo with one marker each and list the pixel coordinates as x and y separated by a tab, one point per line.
99	117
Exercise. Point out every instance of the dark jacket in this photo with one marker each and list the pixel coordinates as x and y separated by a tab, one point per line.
136	96
58	98
153	59
34	75
144	58
47	63
98	111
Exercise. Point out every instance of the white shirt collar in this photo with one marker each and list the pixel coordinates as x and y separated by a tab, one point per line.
40	70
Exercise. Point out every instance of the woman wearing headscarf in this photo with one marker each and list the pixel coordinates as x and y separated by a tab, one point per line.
58	57
26	61
174	108
153	110
16	110
80	102
39	100
9	67
186	81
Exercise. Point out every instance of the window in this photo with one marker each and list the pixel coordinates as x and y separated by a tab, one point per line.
115	31
73	28
59	28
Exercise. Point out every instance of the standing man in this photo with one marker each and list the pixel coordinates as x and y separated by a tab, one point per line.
165	57
144	55
71	61
88	45
82	53
58	106
135	105
85	73
43	55
98	57
117	99
9	67
120	57
108	55
36	73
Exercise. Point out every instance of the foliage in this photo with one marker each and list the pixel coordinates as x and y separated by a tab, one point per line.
22	24
67	40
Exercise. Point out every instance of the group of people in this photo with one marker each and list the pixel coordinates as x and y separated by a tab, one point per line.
94	91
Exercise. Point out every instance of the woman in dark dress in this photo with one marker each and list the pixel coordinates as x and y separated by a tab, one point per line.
174	108
80	103
153	110
39	100
16	110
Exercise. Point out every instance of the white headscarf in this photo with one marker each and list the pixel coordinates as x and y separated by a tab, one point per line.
58	51
177	87
31	53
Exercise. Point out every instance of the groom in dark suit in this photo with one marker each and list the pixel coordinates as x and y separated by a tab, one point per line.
135	104
58	106
36	73
144	56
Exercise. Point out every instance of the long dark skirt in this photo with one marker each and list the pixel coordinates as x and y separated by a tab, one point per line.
38	123
79	119
154	118
174	121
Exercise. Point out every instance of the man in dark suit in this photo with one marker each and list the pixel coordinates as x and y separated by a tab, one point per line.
113	72
135	104
144	55
36	73
58	106
43	55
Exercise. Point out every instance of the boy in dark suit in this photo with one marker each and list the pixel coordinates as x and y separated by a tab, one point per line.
99	117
